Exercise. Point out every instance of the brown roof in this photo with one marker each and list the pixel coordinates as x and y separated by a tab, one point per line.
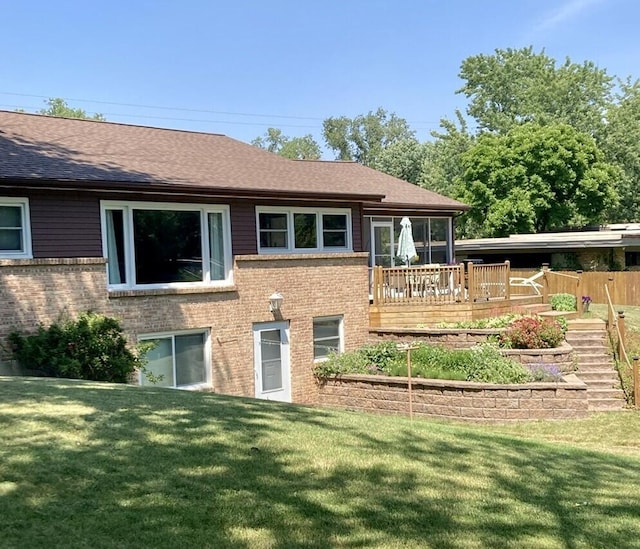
36	148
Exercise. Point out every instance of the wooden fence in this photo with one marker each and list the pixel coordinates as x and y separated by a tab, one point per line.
624	286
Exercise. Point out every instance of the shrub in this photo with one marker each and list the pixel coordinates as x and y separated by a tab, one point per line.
494	322
545	372
532	333
563	302
483	363
92	347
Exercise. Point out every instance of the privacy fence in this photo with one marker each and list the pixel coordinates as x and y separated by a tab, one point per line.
624	286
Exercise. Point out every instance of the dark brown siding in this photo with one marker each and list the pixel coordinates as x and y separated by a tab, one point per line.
65	224
358	219
243	228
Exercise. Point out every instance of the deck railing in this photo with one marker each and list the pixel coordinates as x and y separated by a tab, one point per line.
440	284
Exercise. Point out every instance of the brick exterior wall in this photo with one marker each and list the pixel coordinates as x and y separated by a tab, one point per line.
39	291
480	402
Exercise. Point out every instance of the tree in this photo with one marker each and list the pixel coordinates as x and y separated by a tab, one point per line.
301	148
441	163
402	159
533	179
364	137
516	86
621	144
58	107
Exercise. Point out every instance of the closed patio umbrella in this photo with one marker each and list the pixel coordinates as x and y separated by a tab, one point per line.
406	246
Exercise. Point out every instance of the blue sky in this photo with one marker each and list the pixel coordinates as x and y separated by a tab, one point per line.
239	67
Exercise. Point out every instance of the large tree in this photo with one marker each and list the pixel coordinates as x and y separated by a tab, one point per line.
535	178
300	148
513	86
364	137
57	106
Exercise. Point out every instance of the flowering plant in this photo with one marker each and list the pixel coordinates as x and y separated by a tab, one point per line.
586	300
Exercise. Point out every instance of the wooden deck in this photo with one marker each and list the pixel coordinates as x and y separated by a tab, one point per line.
426	295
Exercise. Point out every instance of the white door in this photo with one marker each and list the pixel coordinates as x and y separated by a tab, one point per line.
271	361
382	244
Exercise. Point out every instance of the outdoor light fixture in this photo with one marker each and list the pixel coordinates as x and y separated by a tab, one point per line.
275	301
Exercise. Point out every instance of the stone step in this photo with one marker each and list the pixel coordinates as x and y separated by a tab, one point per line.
603	359
596	393
555	314
606	404
598	375
601	383
587	335
582	324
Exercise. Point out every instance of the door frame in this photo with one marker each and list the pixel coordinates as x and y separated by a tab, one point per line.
284	393
384	225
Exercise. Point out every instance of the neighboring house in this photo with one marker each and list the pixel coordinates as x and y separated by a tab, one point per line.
185	236
612	247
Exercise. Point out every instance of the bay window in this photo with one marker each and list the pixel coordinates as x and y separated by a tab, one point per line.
162	245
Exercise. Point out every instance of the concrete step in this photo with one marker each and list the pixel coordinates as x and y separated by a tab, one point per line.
587	375
582	324
555	314
606	404
601	383
596	359
600	394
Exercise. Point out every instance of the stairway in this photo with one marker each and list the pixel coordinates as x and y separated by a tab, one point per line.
596	366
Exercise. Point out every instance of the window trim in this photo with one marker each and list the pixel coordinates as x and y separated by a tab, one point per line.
127	207
318	212
340	319
27	251
208	384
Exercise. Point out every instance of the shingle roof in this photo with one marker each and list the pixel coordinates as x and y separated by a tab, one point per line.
43	148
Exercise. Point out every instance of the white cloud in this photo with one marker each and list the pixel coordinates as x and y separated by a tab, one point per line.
564	13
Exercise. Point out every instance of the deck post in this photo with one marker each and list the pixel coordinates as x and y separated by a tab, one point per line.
470	282
507	291
377	279
545	283
622	333
609	310
636	383
579	305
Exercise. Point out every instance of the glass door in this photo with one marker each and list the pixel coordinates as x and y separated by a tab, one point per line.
382	244
271	361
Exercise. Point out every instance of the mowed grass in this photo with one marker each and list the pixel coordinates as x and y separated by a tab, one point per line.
98	465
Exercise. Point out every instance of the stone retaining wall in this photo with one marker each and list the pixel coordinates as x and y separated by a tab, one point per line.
460	400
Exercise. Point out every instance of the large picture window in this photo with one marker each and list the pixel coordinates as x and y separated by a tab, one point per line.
177	360
15	235
157	245
303	230
327	336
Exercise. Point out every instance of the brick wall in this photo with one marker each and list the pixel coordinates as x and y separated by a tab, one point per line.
458	399
39	291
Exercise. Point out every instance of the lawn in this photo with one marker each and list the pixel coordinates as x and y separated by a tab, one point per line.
98	465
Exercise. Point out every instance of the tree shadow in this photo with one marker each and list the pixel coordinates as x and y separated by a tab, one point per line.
162	468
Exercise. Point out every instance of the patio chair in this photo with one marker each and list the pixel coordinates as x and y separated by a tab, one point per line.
530	282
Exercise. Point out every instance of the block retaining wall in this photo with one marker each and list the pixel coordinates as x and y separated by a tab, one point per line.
460	400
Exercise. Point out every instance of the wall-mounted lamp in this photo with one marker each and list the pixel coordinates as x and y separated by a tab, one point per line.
275	301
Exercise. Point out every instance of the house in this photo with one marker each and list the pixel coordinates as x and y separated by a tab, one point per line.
608	248
187	236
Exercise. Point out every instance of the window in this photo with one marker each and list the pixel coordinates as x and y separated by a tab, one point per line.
177	360
160	245
303	230
15	235
327	336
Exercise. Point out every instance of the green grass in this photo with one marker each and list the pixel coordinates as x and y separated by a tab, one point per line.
96	465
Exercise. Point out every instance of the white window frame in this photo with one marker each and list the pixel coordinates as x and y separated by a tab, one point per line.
26	252
318	212
127	207
206	353
340	319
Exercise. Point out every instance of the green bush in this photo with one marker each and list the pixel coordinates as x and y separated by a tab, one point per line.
563	302
92	347
494	322
483	363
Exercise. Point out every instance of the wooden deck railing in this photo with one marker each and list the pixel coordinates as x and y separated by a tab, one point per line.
440	284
